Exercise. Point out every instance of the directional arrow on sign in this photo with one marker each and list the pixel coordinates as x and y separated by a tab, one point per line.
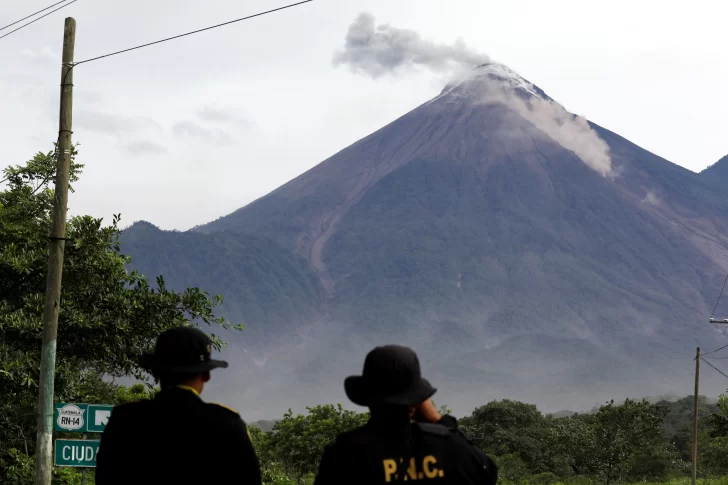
102	418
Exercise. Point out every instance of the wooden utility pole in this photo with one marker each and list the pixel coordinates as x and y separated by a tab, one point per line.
44	441
695	417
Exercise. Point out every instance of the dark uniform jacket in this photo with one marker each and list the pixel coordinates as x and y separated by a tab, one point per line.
387	451
176	438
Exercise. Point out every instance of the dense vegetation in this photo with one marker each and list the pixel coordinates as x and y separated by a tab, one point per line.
108	315
635	441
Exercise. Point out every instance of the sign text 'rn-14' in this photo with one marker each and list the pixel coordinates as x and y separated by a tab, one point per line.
82	418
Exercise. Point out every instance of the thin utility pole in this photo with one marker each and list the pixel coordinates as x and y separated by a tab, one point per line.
695	417
44	441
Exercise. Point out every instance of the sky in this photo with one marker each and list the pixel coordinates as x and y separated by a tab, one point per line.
184	132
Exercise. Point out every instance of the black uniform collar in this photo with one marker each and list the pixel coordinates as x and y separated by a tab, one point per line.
179	392
390	417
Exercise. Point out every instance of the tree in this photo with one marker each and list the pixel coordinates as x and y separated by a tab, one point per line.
108	315
569	444
620	435
714	441
297	442
505	428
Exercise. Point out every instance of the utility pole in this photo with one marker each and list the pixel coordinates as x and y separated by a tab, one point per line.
57	245
695	417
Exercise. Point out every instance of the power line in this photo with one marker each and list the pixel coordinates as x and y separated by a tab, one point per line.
716	350
36	13
714	367
719	297
193	32
42	16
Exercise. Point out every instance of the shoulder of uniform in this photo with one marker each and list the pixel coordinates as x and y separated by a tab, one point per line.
435	429
129	406
353	437
128	410
227	408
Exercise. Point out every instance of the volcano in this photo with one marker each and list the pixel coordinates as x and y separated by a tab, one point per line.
717	174
523	251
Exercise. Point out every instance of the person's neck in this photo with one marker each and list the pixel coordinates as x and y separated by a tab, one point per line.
197	389
390	414
194	386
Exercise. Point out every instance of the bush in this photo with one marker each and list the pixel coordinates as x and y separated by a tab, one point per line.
578	480
546	478
511	469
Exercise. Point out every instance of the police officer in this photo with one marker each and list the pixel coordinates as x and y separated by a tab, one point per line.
391	448
176	437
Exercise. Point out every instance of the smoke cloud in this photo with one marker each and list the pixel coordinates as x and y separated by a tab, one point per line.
376	50
568	130
381	49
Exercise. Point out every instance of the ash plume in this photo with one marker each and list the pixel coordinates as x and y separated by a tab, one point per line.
570	131
376	50
382	49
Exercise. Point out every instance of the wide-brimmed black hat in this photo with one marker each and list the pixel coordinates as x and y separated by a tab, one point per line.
391	376
181	350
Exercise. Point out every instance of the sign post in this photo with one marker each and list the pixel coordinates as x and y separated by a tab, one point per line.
79	418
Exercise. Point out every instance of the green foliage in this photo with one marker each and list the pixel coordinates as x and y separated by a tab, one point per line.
624	443
108	315
17	467
511	468
512	428
297	442
618	435
714	441
678	425
546	478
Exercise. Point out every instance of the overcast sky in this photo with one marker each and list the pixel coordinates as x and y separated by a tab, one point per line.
187	131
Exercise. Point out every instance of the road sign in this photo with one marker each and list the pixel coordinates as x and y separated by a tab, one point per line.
71	417
98	416
76	453
82	418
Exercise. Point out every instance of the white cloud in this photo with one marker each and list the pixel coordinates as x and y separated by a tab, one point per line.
191	129
144	147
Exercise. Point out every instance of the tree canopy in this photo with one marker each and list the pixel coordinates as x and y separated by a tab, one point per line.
108	315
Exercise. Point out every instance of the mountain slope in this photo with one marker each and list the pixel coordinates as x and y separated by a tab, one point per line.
260	281
717	174
522	251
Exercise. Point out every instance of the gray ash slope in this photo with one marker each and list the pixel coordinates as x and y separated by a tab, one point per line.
717	174
474	229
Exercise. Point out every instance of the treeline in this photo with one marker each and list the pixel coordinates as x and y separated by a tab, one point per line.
636	441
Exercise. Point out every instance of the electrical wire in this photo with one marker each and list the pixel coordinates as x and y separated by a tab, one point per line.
719	297
714	367
193	32
36	13
714	351
41	17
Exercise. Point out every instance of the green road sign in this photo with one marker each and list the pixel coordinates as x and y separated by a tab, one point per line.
81	418
71	417
98	416
76	453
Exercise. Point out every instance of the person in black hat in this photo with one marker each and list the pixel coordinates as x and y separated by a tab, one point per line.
176	437
405	439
